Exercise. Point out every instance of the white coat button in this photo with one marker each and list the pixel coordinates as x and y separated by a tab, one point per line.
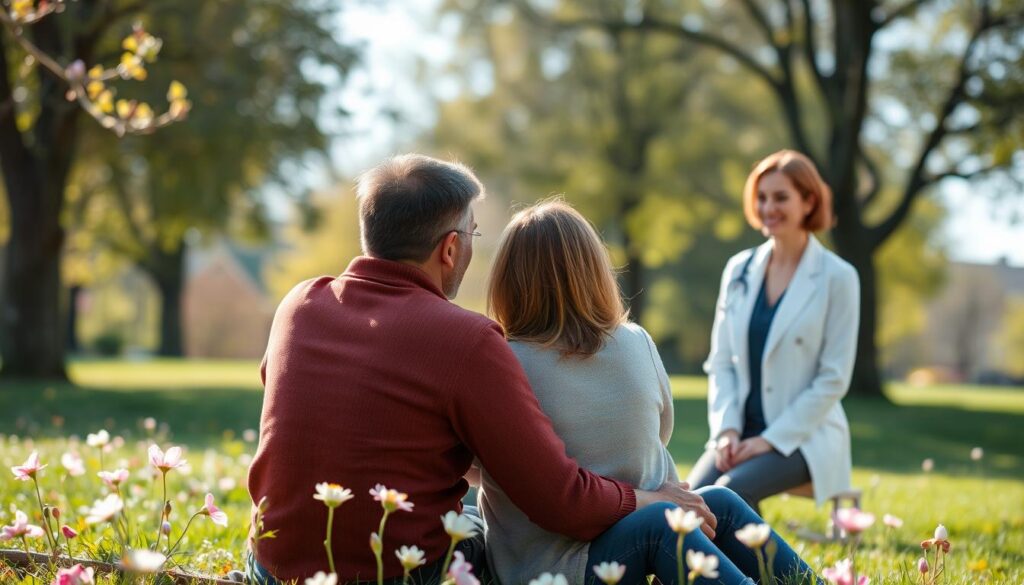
735	359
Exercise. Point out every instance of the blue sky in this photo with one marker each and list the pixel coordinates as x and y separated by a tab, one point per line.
399	34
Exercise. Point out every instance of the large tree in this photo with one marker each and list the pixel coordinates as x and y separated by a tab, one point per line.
261	70
42	74
821	62
607	119
261	65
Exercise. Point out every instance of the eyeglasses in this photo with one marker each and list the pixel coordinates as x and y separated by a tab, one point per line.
476	234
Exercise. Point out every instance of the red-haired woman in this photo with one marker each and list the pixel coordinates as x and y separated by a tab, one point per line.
782	346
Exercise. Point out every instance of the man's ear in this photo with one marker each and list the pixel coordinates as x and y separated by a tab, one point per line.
447	249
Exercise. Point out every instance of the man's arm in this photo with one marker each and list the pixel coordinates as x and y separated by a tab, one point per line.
494	411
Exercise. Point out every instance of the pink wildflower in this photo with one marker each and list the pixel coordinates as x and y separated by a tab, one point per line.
842	574
114	478
853	520
391	500
73	463
940	540
76	575
20	528
68	532
892	521
461	572
217	516
28	470
165	461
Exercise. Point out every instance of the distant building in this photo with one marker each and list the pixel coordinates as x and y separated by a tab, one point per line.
964	321
227	309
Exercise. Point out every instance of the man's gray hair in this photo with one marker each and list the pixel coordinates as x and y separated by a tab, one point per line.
409	202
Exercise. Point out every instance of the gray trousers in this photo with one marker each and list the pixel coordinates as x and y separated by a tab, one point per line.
754	479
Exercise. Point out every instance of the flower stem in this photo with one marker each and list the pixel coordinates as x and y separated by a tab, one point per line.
71	557
31	559
447	560
380	553
46	518
163	509
171	550
327	540
762	569
679	557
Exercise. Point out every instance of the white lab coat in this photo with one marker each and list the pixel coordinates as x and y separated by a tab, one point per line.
807	363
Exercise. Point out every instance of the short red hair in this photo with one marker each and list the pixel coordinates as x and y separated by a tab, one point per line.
804	175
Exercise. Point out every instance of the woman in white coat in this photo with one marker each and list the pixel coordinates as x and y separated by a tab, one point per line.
782	345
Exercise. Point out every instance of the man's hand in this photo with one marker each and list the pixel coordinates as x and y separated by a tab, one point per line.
750	448
680	495
725	450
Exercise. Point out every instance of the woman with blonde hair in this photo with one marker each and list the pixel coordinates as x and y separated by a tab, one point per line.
600	380
782	345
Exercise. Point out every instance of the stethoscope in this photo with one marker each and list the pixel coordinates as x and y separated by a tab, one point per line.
739	282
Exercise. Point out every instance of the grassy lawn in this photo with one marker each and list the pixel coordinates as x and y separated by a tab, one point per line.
207	406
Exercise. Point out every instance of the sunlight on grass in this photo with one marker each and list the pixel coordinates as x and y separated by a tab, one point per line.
210	407
165	373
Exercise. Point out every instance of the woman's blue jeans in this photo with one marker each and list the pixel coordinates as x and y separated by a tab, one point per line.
644	543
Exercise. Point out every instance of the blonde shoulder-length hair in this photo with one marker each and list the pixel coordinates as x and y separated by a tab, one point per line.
552	282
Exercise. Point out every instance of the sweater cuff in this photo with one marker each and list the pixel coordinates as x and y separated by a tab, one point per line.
628	504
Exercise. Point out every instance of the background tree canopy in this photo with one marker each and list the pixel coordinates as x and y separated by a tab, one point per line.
649	115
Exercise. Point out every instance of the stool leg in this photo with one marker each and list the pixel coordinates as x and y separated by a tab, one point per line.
834	532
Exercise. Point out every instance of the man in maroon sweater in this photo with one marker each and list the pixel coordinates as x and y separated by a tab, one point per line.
374	377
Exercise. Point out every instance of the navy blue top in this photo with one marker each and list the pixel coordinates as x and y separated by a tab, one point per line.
757	336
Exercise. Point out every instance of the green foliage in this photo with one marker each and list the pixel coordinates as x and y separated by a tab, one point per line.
109	343
637	131
326	249
911	270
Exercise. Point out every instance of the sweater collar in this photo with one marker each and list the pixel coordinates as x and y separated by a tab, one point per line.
391	272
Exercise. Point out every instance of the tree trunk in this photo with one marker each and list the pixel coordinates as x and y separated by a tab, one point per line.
71	333
849	239
168	272
31	338
32	335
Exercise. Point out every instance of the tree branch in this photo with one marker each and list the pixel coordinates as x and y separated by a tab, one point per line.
907	9
917	180
657	25
811	49
876	178
761	19
953	173
123	200
15	155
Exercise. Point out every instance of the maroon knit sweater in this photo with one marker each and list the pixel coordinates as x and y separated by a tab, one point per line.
375	377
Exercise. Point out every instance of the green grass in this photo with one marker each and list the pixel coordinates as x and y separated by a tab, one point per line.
207	406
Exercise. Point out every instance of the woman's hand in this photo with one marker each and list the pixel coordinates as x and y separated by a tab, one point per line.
725	450
750	448
680	495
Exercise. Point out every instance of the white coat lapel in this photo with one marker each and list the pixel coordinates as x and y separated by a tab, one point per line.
744	304
801	288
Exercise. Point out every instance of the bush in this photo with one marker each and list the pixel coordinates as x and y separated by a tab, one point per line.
109	343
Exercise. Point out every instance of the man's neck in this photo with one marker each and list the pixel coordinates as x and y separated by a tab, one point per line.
430	269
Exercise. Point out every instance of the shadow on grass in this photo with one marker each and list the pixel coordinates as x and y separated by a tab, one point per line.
894	438
886	437
197	416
